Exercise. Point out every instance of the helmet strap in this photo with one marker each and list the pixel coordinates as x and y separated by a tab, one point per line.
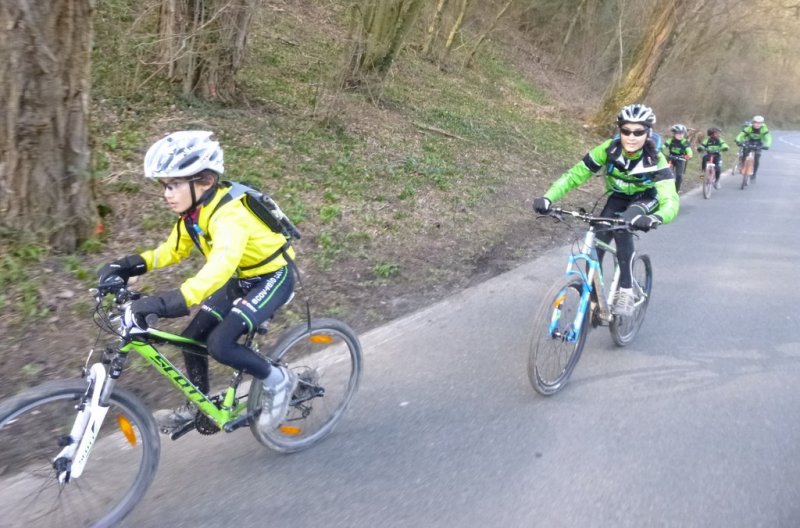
194	194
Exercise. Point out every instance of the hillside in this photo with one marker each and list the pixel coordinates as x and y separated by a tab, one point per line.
404	195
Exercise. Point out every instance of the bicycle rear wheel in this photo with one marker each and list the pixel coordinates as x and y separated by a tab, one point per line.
708	181
122	464
559	333
327	360
624	329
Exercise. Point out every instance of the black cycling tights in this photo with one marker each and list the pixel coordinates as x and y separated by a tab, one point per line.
227	314
623	240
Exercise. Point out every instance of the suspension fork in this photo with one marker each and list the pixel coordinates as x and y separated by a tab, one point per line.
71	460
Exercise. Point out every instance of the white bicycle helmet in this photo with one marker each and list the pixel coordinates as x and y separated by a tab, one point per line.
183	154
758	119
678	129
637	113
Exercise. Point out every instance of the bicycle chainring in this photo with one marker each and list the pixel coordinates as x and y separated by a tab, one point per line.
205	425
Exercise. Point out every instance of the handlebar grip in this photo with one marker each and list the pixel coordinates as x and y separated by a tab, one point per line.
151	320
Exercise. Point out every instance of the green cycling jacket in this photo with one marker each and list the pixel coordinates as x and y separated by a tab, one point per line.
751	134
628	174
713	146
678	147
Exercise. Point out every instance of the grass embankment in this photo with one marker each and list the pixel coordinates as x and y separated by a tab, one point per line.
404	192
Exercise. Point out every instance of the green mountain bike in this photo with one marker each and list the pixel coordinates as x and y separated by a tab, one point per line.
83	452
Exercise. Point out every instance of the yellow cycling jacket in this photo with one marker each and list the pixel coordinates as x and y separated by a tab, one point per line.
232	240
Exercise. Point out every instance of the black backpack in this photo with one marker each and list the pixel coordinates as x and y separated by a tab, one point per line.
266	210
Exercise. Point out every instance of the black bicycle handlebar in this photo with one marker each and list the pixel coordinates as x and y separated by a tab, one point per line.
557	212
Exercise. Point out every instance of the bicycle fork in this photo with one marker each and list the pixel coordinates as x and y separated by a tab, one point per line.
71	460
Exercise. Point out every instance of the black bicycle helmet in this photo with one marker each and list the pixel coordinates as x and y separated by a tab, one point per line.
713	130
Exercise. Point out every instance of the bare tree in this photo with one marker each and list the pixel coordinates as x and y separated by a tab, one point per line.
377	32
45	60
486	33
641	71
455	29
203	44
433	28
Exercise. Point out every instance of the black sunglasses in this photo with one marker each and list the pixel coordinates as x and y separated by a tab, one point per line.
628	132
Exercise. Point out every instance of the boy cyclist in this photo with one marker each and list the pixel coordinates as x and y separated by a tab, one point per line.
678	151
713	146
640	186
244	280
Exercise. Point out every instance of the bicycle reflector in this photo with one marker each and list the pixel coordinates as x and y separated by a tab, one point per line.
559	300
321	339
127	429
290	430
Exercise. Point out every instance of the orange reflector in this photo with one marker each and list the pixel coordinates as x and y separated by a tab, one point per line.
559	300
127	429
290	430
321	339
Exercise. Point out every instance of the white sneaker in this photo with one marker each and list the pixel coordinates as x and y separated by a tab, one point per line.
276	398
170	419
717	184
624	302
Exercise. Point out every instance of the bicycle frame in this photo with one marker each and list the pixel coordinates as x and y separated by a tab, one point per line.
219	414
592	280
711	162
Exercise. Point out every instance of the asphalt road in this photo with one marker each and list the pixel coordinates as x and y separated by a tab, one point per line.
693	425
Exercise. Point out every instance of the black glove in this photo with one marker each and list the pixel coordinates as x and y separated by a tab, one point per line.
125	268
645	222
639	219
168	304
541	205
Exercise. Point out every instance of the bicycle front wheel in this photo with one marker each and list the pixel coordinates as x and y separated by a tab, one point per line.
327	359
559	333
624	329
34	427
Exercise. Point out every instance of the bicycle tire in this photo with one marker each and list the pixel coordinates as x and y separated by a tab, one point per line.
32	422
748	169
326	356
543	342
624	329
708	179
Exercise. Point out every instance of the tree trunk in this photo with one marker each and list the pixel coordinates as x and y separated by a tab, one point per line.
636	80
45	61
203	44
433	28
455	29
378	29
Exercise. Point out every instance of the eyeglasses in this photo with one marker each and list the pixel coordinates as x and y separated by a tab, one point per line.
173	186
628	132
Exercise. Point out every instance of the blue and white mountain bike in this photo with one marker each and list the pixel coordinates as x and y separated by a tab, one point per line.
580	299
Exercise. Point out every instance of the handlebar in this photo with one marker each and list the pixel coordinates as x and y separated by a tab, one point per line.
558	213
122	297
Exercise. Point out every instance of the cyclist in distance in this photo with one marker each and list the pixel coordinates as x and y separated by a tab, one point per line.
757	132
678	151
713	145
640	185
244	280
